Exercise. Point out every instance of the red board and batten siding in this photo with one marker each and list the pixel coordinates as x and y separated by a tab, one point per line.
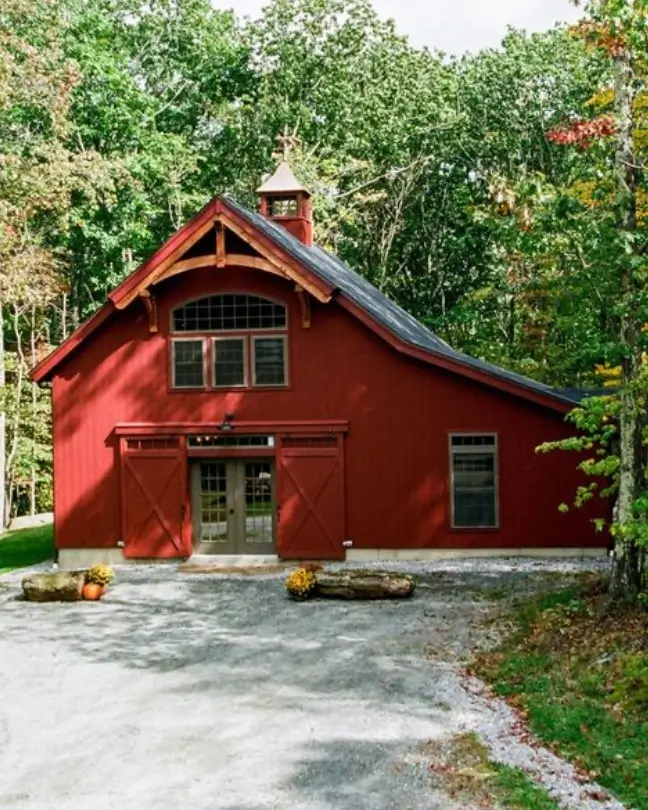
399	412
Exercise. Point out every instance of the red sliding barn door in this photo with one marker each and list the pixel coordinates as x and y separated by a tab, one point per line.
311	498
154	498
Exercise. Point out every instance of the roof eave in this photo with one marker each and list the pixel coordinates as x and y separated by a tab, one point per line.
546	399
44	371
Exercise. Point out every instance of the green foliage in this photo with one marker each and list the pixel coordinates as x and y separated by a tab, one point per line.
515	790
26	547
631	681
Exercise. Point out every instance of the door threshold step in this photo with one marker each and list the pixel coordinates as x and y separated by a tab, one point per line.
235	563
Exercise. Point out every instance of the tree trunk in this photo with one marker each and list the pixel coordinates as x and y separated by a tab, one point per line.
626	577
363	585
16	422
34	415
3	430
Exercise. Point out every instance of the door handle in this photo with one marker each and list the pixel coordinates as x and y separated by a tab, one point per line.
183	511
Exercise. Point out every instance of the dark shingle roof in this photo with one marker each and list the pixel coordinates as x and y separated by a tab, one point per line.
385	311
579	394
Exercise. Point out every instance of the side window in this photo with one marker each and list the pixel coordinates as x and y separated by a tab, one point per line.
188	363
473	473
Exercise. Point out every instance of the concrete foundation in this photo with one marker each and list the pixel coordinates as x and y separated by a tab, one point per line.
70	558
423	554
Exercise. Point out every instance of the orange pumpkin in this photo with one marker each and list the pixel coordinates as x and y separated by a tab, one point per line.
92	592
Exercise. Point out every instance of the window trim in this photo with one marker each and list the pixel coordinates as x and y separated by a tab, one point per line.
494	450
246	363
210	332
194	339
284	340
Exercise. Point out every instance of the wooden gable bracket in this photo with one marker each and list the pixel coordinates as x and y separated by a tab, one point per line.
304	303
220	244
173	263
285	269
151	310
211	260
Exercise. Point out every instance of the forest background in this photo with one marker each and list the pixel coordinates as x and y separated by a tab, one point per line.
478	192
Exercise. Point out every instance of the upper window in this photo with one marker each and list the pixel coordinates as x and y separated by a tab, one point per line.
250	349
473	465
188	364
229	312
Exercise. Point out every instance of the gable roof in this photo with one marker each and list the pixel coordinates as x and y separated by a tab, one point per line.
330	277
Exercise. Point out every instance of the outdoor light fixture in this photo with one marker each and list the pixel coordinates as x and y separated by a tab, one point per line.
226	424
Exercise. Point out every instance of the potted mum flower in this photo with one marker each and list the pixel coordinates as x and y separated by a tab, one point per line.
301	584
97	580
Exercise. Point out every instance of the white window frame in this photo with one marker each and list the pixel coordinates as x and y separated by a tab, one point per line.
246	370
193	339
284	339
493	449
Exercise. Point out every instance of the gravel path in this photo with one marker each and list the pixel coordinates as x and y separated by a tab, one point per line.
217	693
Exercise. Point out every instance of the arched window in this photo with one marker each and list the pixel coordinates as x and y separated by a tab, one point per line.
229	312
249	349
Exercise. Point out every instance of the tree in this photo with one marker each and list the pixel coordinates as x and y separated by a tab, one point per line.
619	29
37	177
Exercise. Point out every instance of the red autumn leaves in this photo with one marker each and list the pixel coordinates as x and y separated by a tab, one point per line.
583	133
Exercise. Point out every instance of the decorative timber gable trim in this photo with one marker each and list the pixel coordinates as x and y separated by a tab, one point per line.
312	273
218	216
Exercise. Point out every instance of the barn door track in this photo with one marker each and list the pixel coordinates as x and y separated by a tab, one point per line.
216	692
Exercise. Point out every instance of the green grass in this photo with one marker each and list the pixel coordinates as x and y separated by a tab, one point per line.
26	547
515	790
465	771
577	672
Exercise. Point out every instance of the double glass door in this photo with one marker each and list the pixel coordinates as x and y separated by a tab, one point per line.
233	506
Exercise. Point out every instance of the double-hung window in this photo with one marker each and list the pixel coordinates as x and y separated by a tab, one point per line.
229	361
473	475
236	341
188	363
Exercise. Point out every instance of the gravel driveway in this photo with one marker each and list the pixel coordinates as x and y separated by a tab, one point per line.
202	691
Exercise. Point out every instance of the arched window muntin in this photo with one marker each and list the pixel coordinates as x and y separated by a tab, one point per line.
229	312
229	341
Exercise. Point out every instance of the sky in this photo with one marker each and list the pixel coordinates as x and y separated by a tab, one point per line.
454	26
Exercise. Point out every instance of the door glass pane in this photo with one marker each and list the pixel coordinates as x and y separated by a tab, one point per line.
258	502
213	502
269	361
229	362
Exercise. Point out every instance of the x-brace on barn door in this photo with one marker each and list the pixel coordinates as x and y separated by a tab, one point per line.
311	497
154	498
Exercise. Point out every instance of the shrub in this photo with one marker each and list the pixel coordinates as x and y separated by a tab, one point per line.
301	583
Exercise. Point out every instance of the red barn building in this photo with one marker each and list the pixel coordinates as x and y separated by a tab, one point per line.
245	392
